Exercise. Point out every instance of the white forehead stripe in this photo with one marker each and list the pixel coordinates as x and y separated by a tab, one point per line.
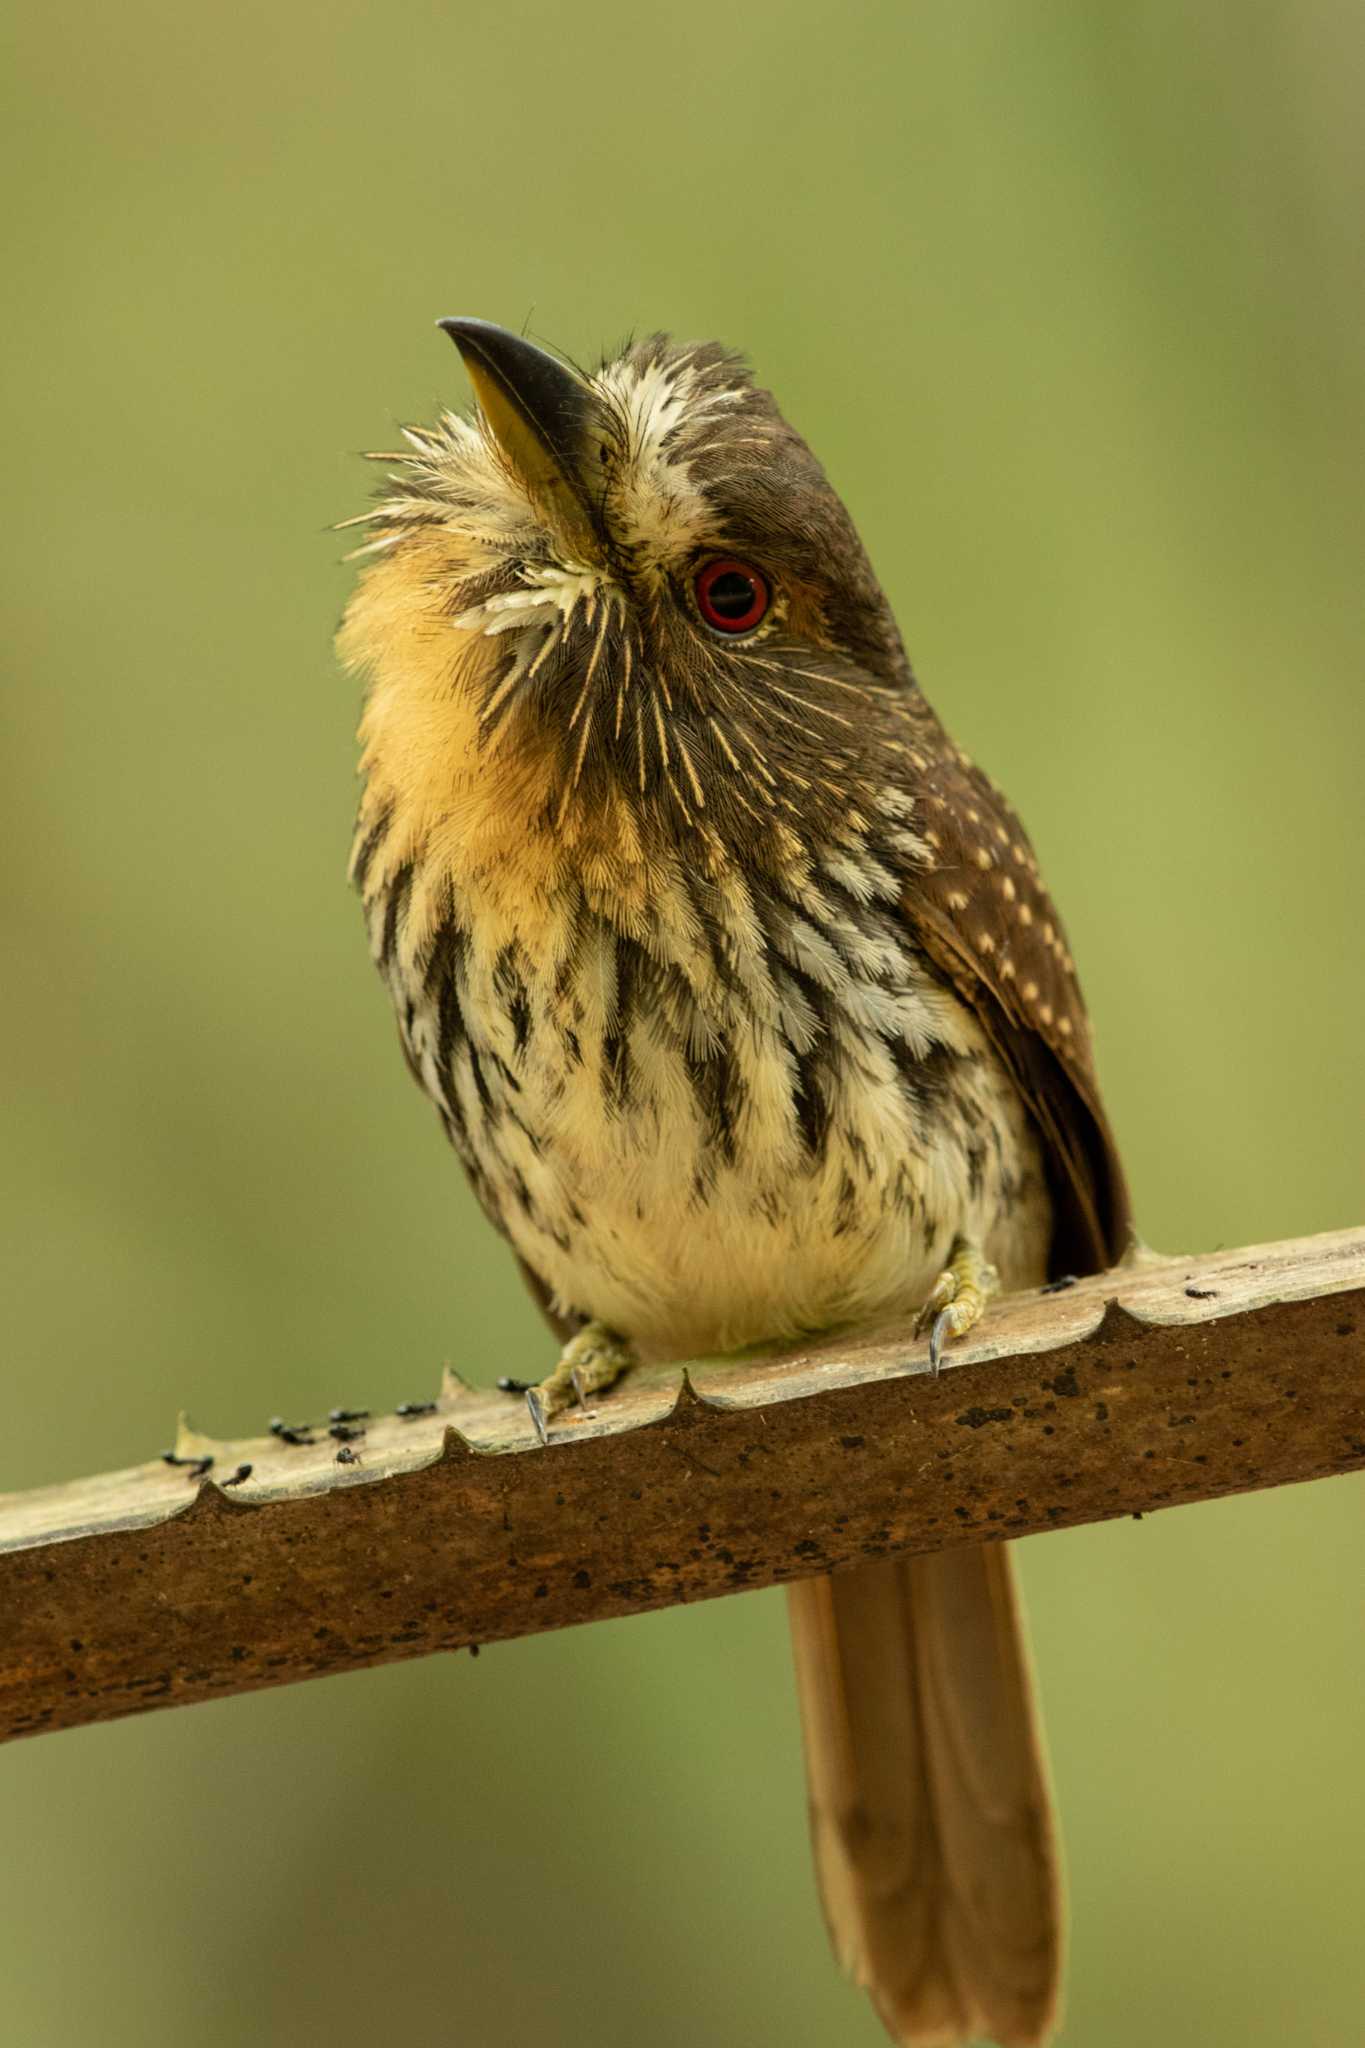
658	506
656	398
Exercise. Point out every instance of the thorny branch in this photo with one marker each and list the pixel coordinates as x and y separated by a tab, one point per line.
1167	1381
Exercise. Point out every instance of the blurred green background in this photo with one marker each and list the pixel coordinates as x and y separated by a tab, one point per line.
1070	301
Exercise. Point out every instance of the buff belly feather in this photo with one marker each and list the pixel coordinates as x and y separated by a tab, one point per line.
702	1137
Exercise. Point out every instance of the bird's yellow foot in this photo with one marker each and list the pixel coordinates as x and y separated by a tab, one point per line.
956	1298
594	1358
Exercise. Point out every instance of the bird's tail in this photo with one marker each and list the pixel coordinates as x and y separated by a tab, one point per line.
930	1814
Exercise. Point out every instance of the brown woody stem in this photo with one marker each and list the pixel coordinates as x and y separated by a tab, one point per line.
1159	1383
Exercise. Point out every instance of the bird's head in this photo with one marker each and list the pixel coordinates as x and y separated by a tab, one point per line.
621	619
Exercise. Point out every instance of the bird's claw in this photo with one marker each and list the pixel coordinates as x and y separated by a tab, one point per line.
591	1361
956	1299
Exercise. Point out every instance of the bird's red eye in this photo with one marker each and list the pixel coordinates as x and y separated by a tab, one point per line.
731	596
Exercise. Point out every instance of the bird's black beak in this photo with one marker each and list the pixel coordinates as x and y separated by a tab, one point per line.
545	418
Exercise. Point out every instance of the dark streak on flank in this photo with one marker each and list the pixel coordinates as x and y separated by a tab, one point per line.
395	909
444	973
720	1094
369	846
616	1062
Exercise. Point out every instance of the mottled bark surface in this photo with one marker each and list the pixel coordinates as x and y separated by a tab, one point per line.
1138	1389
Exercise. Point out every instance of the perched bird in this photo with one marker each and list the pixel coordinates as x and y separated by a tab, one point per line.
740	996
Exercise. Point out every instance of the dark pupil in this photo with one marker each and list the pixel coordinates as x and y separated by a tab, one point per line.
731	595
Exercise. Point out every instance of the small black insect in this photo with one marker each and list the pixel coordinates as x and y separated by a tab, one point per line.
174	1458
507	1385
407	1409
349	1415
1059	1285
1202	1293
292	1432
346	1456
343	1433
242	1472
196	1467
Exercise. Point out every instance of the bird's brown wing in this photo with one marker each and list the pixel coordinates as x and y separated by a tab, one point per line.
983	917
